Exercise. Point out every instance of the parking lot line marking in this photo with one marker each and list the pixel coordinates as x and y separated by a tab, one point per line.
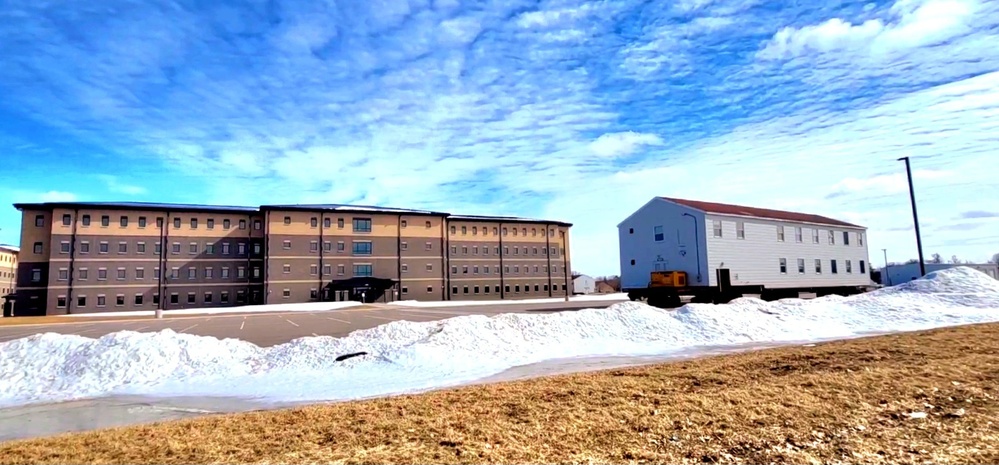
337	319
382	318
314	334
242	324
187	328
140	328
292	322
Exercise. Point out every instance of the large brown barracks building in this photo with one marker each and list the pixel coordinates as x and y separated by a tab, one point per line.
104	257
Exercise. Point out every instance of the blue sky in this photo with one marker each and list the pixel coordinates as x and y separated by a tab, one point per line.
574	110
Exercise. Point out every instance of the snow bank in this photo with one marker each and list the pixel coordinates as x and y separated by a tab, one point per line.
454	303
303	307
407	357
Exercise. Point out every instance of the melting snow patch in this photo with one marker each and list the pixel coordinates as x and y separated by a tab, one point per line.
403	356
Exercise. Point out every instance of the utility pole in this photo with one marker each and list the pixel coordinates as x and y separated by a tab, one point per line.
886	274
915	217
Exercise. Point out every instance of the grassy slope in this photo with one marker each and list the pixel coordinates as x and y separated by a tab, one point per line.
845	401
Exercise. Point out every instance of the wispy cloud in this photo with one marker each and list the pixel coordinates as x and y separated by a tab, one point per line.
572	109
977	214
55	196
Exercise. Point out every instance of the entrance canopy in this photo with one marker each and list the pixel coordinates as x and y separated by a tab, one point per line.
364	282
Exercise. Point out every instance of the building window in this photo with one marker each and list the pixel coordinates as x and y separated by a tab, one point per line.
404	246
815	236
361	248
209	272
64	247
780	233
211	223
174	298
225	248
225	272
193	248
37	248
339	223
340	247
430	289
83	274
740	230
801	266
717	227
313	222
404	223
464	269
287	220
242	224
140	247
404	267
286	293
657	234
327	246
140	273
156	299
313	293
138	299
123	247
818	266
81	301
208	297
849	266
832	236
39	221
123	221
176	223
86	220
226	224
313	269
119	300
121	274
362	225
846	237
327	222
863	267
224	297
832	267
286	268
102	274
192	298
241	272
363	270
341	270
63	274
430	267
67	220
314	246
860	239
84	247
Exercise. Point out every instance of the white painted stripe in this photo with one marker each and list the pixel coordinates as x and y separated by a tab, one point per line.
292	322
187	328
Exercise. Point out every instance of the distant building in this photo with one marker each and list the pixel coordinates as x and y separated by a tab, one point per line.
584	284
748	246
86	257
898	274
8	276
603	287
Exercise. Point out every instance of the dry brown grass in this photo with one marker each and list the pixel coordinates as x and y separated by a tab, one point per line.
846	401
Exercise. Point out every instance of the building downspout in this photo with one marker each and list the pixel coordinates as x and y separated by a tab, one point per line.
249	257
446	259
72	263
267	257
398	256
565	264
548	257
322	252
166	261
161	263
502	273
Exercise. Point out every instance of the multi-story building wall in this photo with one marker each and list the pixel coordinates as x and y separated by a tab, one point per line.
102	257
497	257
311	246
8	270
95	257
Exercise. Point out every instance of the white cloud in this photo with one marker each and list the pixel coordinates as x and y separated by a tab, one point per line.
623	143
115	186
914	24
886	183
55	196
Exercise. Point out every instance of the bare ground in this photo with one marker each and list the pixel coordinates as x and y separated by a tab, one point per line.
857	401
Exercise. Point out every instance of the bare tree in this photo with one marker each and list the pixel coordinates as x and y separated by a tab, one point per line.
955	260
936	258
995	259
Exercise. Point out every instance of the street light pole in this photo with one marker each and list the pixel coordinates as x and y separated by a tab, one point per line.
886	274
915	217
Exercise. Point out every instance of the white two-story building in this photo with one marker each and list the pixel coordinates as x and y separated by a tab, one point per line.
758	247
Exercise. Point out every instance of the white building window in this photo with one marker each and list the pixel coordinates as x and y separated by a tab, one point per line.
815	236
798	234
783	266
740	230
780	233
717	225
657	232
832	236
849	266
846	237
801	266
818	266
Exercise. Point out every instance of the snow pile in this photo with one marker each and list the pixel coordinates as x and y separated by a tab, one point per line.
546	300
406	356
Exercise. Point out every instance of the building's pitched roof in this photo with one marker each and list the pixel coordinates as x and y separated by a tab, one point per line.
350	208
12	248
151	206
765	213
505	219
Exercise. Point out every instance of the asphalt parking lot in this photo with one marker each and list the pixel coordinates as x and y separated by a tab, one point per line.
267	329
